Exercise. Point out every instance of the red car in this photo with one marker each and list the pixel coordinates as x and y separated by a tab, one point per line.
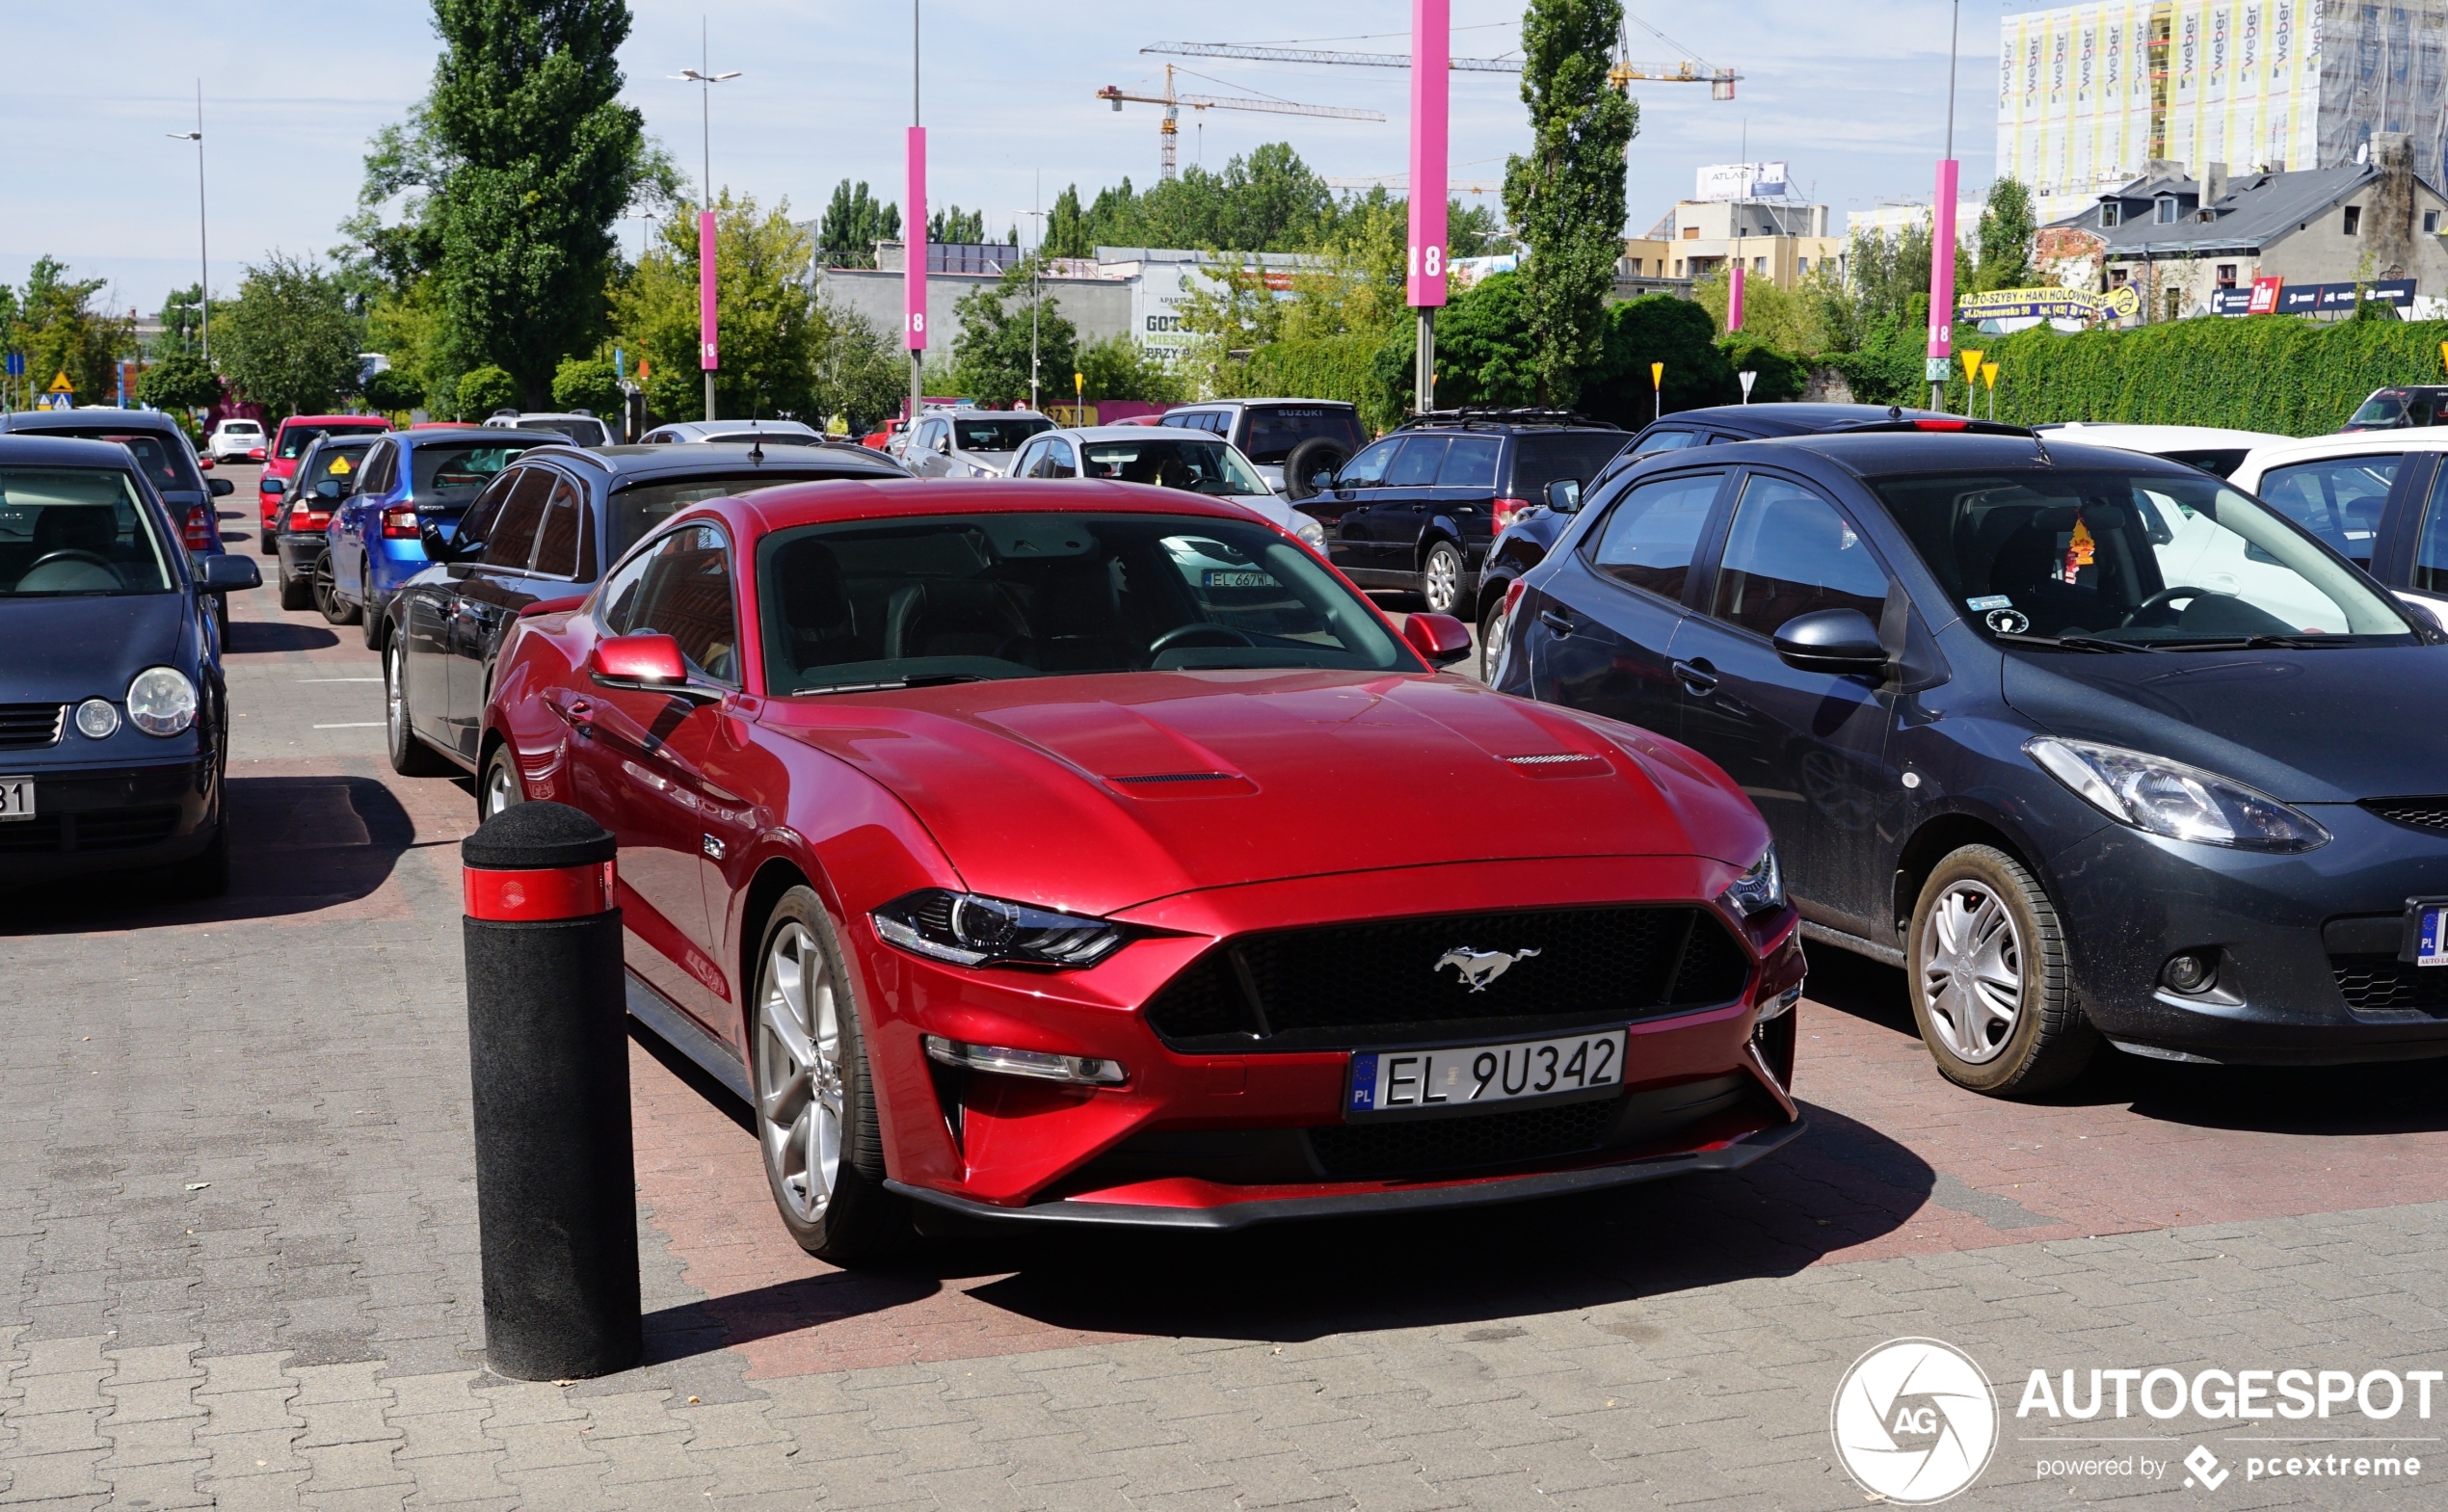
1082	851
290	444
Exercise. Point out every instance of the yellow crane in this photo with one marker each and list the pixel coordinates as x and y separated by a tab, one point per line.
1175	103
1686	71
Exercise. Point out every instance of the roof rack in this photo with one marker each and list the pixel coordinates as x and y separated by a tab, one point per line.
1470	415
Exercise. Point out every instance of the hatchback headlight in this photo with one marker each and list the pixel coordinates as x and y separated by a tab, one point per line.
2183	803
1310	533
970	930
161	702
1758	889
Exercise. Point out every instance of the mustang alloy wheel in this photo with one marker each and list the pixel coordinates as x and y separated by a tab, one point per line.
1991	989
499	790
816	1107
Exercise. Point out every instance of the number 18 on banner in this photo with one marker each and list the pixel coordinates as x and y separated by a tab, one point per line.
1432	78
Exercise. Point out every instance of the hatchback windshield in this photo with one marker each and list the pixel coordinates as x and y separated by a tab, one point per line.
1199	465
453	473
77	530
2109	559
996	436
296	438
577	427
962	598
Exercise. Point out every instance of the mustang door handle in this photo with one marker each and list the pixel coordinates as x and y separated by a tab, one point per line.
1560	623
1699	678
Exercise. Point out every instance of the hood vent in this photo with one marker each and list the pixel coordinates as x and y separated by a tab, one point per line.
1559	763
1150	785
1180	776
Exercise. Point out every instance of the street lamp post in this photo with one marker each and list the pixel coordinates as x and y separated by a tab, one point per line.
203	244
704	78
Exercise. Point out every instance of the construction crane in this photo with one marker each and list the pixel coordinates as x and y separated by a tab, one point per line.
1174	103
1688	70
1401	180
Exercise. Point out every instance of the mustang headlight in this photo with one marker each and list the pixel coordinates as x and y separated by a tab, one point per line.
1758	889
161	702
970	930
2183	803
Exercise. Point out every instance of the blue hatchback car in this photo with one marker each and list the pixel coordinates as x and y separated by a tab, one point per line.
114	720
411	480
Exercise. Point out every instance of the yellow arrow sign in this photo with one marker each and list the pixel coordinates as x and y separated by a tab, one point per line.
1971	364
60	384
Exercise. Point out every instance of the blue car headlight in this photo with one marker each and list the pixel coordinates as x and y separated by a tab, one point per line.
2168	798
1758	889
161	701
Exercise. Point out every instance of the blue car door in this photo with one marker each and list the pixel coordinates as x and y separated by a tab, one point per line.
1808	747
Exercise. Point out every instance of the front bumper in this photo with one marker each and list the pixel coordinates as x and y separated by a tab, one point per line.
89	820
2290	934
1213	1136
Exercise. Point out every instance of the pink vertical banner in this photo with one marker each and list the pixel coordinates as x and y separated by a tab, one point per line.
1431	85
1734	297
914	263
1942	273
707	358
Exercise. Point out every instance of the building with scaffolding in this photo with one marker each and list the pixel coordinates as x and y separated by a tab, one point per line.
2088	94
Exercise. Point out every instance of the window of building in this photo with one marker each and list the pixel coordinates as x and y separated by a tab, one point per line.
1758	265
1691	233
2226	276
2166	209
2431	222
1678	267
2353	219
1801	265
2108	214
2116	277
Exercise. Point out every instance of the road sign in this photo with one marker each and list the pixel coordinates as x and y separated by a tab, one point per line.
16	364
60	384
1971	362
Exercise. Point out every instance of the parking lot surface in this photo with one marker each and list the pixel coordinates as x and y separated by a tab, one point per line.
237	1205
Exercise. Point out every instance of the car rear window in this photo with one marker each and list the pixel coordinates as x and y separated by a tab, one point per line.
1274	432
164	462
640	507
455	472
295	437
996	436
1540	457
581	430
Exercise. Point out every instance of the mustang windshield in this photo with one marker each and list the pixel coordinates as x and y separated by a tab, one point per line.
77	530
2103	559
955	599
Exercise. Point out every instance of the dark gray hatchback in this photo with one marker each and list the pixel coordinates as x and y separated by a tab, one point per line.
2002	741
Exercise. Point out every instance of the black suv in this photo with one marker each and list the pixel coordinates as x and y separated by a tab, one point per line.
1524	540
1420	509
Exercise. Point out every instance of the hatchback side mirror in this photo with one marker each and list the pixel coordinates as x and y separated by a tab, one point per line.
328	488
437	550
1440	639
255	454
1839	641
227	575
220	488
1564	495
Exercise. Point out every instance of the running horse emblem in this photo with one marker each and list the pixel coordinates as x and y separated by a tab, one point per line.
1479	968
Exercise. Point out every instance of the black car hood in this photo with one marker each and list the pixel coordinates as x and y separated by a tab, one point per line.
66	648
2306	726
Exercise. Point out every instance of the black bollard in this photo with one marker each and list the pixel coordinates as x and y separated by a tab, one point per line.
548	1045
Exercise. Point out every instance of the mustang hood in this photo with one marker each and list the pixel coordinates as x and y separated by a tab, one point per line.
2303	726
1097	793
70	647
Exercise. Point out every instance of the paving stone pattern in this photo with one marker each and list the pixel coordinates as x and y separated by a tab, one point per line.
237	1211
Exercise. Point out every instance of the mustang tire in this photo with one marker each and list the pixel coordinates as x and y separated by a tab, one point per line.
1990	990
809	1078
498	788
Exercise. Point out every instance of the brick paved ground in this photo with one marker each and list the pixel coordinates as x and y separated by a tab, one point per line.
237	1211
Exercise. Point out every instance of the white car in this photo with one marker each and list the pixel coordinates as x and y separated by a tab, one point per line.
969	444
233	439
2338	487
580	427
2208	447
1192	461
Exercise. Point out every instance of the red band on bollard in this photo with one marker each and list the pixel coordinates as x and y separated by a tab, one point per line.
525	897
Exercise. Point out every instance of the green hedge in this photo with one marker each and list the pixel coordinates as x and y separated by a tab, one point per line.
2276	373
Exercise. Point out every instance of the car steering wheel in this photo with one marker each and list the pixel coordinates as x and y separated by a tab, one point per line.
71	554
1183	632
2152	612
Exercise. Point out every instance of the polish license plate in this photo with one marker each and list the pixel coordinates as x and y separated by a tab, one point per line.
1475	1076
2431	934
16	798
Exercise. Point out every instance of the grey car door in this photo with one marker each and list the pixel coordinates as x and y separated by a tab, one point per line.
492	592
1601	639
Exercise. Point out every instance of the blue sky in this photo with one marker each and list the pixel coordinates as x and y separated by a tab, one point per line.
1852	95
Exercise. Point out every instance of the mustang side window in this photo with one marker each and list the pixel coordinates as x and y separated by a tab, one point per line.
1649	539
685	593
1790	553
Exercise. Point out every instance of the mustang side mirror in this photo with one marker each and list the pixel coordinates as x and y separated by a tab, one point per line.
1564	495
1440	639
1839	641
227	575
648	659
220	488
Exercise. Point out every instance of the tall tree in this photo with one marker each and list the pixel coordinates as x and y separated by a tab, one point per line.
288	342
181	321
953	225
770	334
2007	230
1067	228
1566	199
59	329
519	161
854	221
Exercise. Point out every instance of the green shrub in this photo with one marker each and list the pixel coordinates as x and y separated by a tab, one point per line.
586	383
1781	375
484	390
2276	373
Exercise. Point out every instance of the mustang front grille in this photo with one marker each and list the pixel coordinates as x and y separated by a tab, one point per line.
1422	980
1360	1152
31	726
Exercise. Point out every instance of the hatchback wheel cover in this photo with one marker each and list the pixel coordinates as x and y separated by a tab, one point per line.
1444	576
799	1074
394	699
1972	973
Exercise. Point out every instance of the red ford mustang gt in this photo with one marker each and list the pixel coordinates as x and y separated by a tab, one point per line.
1080	851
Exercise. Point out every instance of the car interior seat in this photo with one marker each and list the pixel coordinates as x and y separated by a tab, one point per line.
945	617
